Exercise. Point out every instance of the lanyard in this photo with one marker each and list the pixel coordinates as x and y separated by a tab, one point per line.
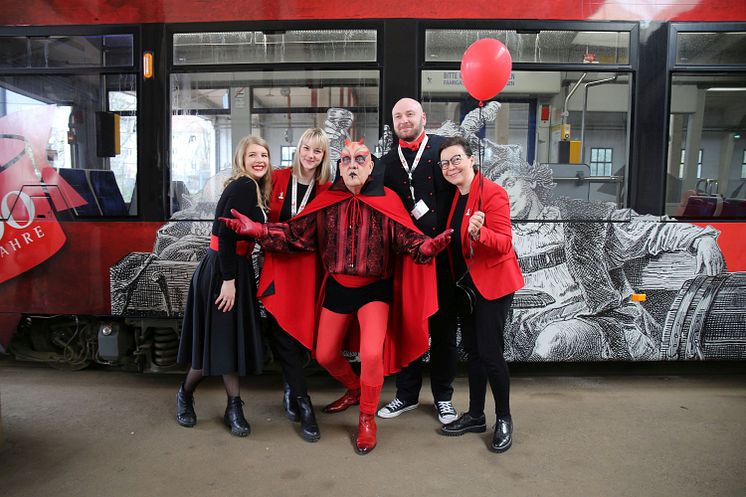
415	163
294	209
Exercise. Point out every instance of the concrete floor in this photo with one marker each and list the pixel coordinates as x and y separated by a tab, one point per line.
107	433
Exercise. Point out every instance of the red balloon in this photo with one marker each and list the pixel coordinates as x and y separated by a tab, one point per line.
485	68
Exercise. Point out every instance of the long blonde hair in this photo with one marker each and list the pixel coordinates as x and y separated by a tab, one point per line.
263	184
314	136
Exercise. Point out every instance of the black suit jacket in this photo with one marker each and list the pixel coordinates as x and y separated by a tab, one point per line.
429	184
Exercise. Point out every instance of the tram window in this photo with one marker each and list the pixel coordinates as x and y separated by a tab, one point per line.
211	112
707	115
711	48
114	50
529	127
66	108
536	46
245	47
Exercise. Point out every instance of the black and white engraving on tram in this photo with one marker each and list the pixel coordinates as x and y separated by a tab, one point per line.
581	261
157	284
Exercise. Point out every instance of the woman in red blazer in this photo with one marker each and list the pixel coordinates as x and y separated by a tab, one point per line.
290	330
482	261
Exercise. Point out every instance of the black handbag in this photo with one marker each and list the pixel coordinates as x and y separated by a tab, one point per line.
466	299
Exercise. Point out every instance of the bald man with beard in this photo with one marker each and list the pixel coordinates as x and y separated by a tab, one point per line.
411	170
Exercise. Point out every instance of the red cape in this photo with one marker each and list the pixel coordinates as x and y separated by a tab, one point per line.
415	290
287	303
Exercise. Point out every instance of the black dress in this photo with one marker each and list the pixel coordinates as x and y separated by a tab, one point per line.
220	342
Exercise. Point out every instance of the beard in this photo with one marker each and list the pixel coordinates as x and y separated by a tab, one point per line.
409	134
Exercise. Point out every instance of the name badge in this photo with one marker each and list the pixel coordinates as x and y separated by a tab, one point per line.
420	209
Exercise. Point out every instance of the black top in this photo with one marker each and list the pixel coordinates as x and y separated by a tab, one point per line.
240	194
428	181
286	212
459	263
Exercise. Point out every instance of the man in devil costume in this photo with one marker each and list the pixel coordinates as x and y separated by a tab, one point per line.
372	255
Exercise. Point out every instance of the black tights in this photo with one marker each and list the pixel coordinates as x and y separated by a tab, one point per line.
194	377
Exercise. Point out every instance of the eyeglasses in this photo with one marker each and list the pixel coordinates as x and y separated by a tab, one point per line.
455	160
360	159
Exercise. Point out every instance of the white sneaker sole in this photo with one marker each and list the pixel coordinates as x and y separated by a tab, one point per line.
448	419
386	414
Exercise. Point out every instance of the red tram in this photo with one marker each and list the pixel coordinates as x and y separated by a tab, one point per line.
623	126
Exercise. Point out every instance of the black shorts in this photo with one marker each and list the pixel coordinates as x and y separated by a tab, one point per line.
345	300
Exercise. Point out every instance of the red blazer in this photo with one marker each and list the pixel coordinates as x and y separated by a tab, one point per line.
494	267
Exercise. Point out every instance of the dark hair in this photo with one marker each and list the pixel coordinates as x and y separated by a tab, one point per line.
456	141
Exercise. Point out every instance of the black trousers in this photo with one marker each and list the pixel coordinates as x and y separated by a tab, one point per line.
443	353
483	338
291	354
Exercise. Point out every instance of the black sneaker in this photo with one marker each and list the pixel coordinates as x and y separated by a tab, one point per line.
396	407
446	412
465	424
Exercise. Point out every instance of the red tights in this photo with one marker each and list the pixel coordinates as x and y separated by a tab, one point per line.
373	318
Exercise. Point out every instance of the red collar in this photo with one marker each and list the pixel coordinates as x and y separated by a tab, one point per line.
415	145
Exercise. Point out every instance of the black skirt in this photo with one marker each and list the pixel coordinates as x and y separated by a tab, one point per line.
220	342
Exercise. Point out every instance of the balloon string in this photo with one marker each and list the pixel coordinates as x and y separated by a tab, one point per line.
481	158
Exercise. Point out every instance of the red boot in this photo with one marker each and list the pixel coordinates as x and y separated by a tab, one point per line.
349	399
366	434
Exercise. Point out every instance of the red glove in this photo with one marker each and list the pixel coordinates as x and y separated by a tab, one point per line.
243	225
434	246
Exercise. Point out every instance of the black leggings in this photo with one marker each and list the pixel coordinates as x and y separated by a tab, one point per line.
482	334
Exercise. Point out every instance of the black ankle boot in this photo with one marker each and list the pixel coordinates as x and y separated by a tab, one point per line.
185	414
291	405
234	418
309	429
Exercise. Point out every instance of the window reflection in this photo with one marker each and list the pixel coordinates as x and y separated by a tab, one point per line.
705	147
533	46
66	51
245	47
713	48
211	112
585	150
81	148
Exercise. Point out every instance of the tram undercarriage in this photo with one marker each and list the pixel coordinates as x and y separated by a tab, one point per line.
75	342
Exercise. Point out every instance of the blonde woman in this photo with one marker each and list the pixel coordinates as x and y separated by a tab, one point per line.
220	334
290	328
